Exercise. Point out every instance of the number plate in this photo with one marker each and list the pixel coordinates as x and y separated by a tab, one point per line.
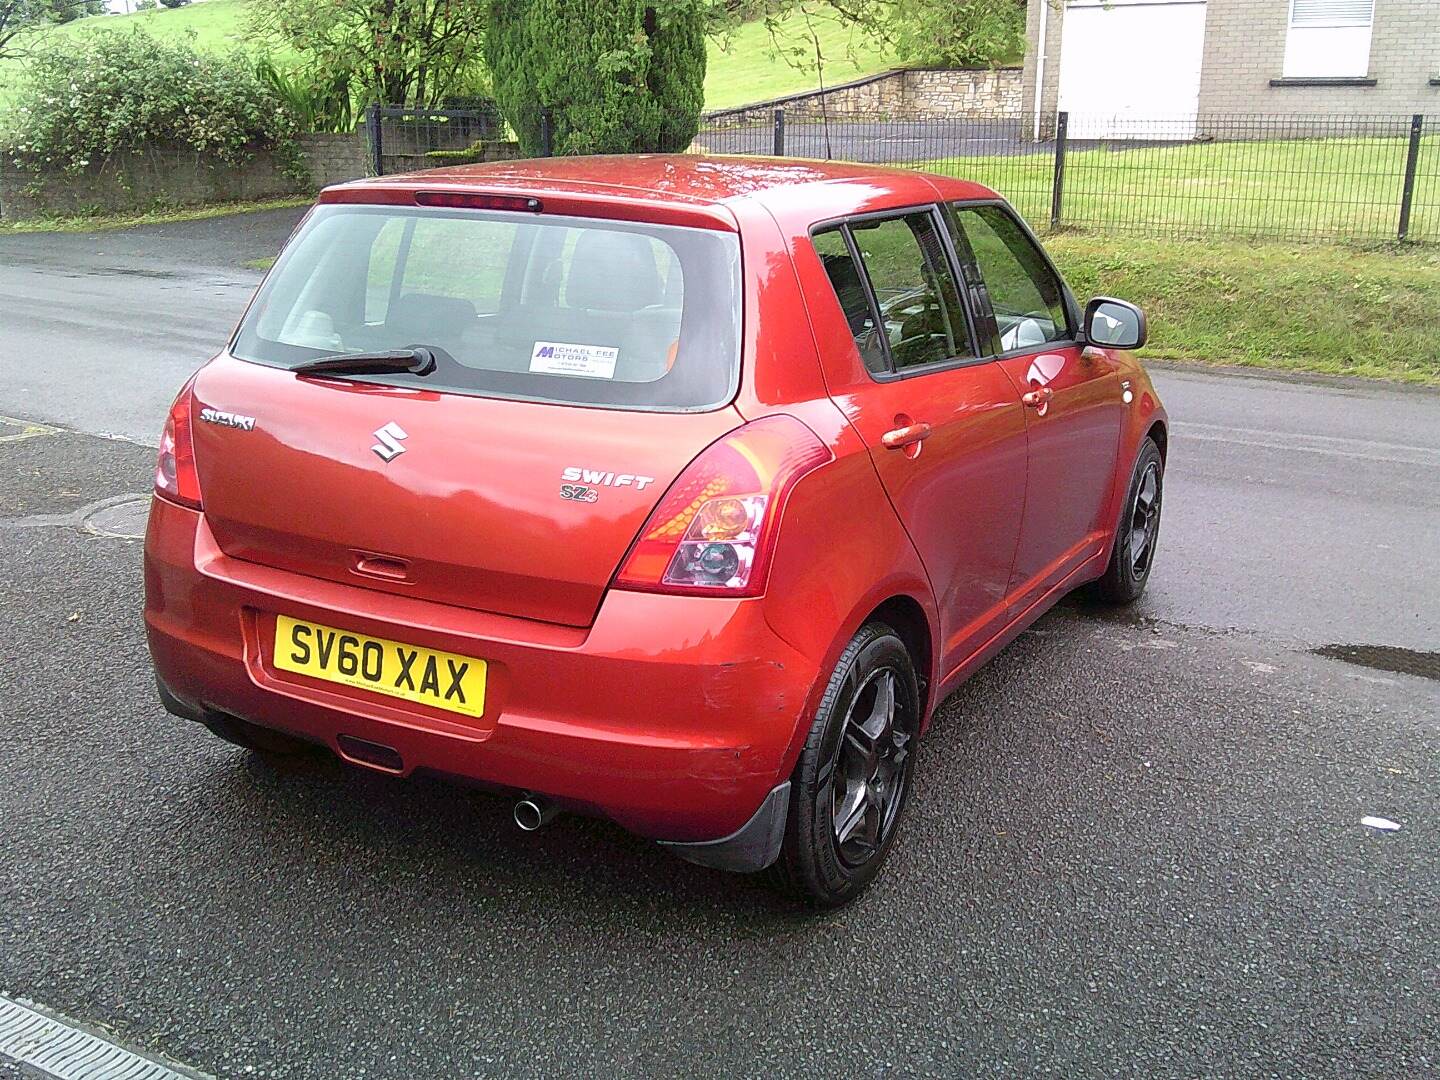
439	679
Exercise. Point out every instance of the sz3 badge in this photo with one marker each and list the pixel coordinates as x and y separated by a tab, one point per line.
581	485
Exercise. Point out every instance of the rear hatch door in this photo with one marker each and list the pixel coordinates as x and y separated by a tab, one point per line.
519	508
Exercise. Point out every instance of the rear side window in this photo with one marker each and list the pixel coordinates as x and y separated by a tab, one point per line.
570	310
916	307
1025	293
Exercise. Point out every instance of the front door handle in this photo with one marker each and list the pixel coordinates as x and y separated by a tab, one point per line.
1038	398
905	436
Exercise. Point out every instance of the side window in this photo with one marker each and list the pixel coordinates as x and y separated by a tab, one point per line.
920	316
1028	299
849	287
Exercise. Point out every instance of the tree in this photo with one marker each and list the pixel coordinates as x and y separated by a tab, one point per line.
932	33
618	76
18	18
397	52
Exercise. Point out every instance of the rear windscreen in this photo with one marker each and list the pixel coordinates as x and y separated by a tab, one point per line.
574	310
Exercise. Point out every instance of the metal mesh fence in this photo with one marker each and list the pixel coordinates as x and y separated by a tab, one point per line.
1280	177
405	139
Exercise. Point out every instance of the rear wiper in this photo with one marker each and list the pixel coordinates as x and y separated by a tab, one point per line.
416	361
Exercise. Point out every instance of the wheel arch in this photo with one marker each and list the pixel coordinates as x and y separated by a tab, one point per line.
904	615
1161	435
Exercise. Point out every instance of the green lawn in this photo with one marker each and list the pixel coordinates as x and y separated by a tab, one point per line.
746	68
742	69
1345	189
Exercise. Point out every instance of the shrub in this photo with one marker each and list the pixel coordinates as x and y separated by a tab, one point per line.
174	3
97	99
618	76
318	101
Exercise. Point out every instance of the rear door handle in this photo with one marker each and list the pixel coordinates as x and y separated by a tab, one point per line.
905	436
1038	399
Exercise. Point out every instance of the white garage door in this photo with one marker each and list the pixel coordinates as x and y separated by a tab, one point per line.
1131	68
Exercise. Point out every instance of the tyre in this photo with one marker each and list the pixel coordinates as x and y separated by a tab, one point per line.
253	737
1133	553
850	786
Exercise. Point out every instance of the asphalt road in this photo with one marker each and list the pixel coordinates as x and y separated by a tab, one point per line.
1135	845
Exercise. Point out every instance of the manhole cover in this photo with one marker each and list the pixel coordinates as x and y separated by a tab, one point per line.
1385	658
124	518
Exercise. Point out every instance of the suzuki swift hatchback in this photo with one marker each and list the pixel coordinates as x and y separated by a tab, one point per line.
677	490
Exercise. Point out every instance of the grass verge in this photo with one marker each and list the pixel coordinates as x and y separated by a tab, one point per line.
154	216
1291	307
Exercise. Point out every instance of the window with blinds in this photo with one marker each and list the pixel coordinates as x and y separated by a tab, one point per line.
1329	39
1332	12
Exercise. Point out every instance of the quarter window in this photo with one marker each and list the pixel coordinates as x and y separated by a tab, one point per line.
1026	295
845	277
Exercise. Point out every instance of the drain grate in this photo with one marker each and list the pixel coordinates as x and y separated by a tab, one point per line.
53	1048
1385	658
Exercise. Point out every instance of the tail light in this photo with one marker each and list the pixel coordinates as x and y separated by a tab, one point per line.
713	532
175	475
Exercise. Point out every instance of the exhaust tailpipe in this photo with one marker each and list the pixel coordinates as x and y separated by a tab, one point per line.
534	812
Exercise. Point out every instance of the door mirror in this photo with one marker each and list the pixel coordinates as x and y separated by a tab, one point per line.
1114	324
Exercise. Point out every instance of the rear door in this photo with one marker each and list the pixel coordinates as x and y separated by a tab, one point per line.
581	365
1073	410
943	426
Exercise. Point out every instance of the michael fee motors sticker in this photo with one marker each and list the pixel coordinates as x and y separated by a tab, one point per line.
583	361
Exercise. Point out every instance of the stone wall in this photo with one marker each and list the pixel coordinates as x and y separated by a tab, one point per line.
334	159
172	178
904	94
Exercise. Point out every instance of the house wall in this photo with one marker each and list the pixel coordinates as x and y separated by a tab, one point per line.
1050	90
1245	50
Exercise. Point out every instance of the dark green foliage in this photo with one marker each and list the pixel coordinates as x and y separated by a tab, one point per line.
617	76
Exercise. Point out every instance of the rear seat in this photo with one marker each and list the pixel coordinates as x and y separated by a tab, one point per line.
612	296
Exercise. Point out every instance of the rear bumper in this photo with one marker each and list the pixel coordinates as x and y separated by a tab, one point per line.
674	716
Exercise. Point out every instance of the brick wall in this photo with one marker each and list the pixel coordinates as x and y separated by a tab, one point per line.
1245	49
905	94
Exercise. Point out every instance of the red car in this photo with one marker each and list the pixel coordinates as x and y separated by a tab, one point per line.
677	490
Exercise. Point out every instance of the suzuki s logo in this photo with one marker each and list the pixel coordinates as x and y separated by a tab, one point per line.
389	447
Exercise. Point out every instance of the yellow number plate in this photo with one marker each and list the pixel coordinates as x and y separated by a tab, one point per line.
439	679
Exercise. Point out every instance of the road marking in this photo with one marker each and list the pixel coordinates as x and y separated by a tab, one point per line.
1327	445
52	1047
24	429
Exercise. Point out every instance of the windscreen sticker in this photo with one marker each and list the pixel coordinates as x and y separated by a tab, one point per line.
584	361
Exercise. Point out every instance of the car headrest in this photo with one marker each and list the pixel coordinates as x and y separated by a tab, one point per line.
613	271
427	319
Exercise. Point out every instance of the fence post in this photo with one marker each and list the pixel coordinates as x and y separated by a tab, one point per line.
779	146
372	125
547	133
1412	166
1057	189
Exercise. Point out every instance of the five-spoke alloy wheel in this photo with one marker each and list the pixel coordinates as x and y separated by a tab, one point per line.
1133	553
849	788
